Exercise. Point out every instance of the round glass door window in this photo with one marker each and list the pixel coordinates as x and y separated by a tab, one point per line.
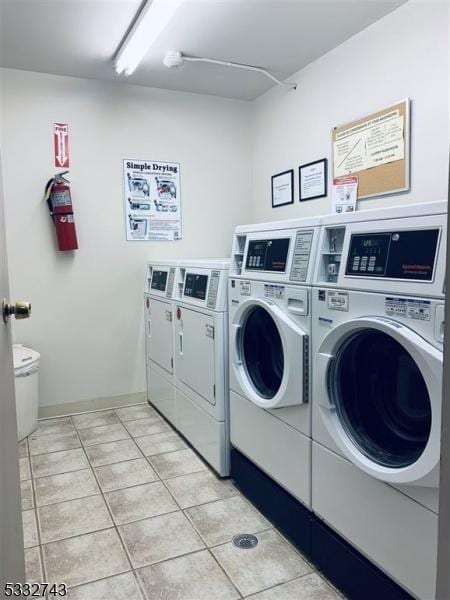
381	398
262	352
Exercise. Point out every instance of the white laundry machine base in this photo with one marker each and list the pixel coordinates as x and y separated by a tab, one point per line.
353	511
210	438
257	434
161	391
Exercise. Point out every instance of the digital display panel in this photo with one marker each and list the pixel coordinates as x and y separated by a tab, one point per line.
159	280
195	286
267	255
395	255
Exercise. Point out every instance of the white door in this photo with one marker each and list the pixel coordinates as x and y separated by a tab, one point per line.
11	537
269	354
195	354
160	333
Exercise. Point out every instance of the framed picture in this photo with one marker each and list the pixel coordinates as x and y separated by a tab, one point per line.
283	188
313	180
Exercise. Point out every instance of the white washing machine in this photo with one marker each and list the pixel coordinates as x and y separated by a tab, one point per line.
270	324
201	359
378	323
159	292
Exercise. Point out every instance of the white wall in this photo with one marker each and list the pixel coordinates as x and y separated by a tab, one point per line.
405	54
87	318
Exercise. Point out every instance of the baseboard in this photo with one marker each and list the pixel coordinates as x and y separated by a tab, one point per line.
70	408
344	566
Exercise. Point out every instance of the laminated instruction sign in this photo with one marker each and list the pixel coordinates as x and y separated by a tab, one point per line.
377	141
152	197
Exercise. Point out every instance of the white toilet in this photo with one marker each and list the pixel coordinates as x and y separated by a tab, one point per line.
26	377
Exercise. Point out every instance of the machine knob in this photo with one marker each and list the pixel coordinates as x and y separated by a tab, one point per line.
21	310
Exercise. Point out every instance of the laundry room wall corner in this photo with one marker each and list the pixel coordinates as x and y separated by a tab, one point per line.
404	54
87	319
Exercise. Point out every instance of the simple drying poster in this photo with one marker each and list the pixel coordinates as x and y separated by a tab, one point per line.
152	196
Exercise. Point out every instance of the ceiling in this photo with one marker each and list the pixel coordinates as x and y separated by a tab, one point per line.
79	38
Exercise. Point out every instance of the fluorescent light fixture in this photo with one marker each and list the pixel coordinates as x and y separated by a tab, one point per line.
150	23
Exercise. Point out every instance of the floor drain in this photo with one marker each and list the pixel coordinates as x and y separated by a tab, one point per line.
245	541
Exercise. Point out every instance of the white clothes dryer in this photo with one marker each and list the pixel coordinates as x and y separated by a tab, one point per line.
201	359
159	292
270	325
378	322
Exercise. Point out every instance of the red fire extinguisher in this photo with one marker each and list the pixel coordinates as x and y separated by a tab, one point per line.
59	201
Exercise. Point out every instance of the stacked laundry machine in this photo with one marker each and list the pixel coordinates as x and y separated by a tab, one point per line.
159	290
270	298
186	324
378	325
201	359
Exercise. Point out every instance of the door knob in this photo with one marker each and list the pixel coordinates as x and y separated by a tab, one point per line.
21	310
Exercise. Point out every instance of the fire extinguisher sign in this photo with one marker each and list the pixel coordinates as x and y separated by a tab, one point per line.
61	144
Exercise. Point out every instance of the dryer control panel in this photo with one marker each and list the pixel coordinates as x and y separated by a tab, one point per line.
203	286
268	255
394	255
195	286
284	255
397	250
160	280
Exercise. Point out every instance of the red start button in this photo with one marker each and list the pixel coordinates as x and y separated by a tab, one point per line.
178	313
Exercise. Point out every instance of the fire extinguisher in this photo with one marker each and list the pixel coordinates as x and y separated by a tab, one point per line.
59	201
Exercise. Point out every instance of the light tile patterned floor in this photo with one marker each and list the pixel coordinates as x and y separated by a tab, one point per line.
118	507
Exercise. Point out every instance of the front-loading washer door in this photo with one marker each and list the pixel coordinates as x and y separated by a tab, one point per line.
381	398
270	355
262	351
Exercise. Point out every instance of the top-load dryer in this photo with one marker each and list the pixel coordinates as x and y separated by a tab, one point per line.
159	292
201	359
378	324
270	325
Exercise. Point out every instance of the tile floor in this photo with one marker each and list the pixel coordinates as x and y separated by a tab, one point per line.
118	507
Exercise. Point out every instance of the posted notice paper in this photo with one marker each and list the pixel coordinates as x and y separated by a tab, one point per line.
282	189
374	142
345	194
152	200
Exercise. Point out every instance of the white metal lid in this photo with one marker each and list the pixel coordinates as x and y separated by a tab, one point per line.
298	223
24	358
205	263
173	262
421	209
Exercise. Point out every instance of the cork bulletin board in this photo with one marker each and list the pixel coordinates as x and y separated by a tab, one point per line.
376	149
